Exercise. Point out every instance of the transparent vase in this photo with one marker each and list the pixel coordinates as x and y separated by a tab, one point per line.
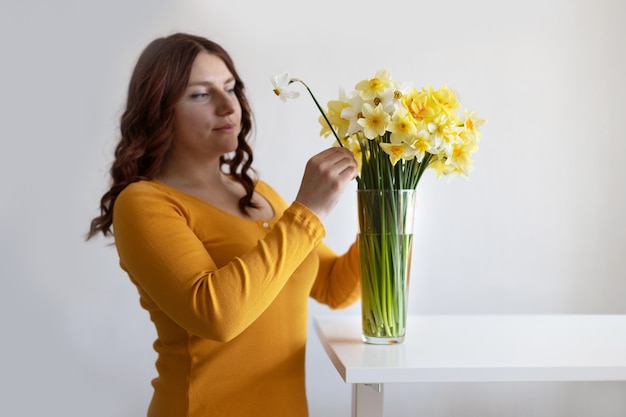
385	248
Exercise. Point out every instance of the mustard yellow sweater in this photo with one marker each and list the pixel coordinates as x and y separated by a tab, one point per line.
228	298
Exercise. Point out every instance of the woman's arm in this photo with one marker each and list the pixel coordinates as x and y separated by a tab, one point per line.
338	279
166	259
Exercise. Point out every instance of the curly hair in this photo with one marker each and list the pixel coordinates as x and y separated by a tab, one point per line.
147	124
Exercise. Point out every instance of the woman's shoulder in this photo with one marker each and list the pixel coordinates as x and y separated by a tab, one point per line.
142	188
146	192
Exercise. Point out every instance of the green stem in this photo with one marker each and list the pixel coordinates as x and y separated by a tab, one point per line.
318	107
385	241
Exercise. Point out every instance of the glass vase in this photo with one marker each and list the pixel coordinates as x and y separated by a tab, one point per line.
385	246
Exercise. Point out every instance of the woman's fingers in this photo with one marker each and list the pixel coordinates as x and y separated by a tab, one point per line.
325	178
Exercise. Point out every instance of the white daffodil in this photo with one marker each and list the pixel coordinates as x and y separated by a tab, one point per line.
353	113
281	83
391	97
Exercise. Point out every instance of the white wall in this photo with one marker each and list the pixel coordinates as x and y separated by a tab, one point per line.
539	227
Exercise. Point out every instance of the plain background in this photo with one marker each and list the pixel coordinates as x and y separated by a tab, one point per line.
538	228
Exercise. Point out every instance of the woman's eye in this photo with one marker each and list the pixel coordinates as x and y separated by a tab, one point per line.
199	95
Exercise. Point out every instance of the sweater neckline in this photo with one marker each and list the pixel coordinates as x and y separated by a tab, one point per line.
265	223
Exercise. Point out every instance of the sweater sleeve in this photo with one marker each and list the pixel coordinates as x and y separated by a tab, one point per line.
338	280
164	257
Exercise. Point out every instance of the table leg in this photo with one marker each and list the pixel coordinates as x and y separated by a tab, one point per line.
367	400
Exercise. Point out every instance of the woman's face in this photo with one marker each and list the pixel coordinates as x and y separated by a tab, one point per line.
207	118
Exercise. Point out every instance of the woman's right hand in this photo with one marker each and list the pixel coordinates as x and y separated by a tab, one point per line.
325	178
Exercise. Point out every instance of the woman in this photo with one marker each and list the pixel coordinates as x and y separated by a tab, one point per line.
222	264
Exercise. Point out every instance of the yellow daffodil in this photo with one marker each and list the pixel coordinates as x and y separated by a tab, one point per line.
397	152
470	125
333	112
460	161
446	98
371	87
439	166
422	144
280	83
401	127
374	121
419	104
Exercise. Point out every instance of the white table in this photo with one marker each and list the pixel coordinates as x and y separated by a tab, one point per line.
476	348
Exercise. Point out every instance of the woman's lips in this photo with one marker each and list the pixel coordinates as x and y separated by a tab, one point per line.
225	128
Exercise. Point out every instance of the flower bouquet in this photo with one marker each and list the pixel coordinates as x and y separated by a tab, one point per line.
396	132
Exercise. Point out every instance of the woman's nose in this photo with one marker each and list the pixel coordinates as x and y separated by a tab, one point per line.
227	103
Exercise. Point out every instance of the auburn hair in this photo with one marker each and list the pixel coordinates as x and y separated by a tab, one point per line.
147	124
